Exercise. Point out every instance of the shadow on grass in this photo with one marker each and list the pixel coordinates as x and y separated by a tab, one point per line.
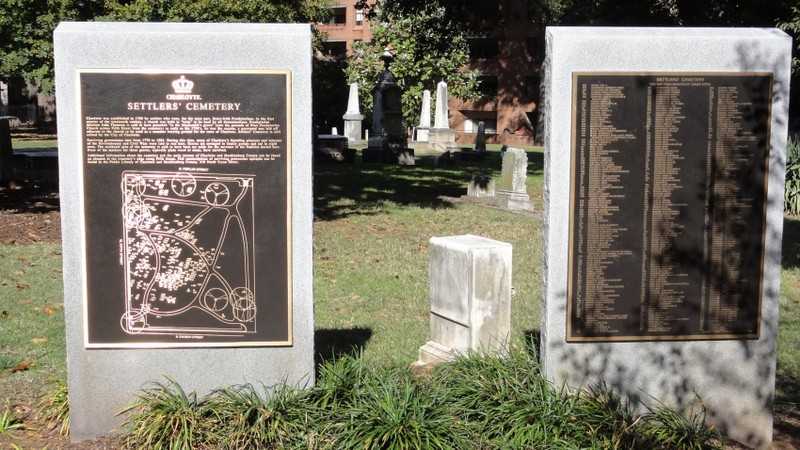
362	189
790	253
787	408
332	344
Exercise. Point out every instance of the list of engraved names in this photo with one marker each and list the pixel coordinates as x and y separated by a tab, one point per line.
668	196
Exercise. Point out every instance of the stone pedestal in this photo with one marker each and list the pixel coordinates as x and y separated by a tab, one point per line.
470	294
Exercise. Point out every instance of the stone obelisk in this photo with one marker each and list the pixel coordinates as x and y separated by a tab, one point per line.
441	138
424	117
353	117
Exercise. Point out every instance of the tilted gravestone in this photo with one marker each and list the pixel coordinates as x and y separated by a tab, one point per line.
512	193
179	144
664	166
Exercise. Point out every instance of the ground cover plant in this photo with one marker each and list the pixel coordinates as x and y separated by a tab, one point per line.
476	402
372	225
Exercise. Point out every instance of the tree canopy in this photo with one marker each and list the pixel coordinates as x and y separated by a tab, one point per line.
792	25
220	10
26	36
26	26
426	50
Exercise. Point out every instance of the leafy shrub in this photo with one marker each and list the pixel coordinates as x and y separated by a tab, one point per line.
791	197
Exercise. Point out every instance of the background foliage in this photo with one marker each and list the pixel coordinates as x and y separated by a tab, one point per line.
426	53
26	36
26	26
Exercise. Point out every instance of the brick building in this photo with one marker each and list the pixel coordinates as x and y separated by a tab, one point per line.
509	56
347	25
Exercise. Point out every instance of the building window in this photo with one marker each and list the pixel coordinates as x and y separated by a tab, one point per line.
359	16
488	85
472	118
334	48
339	16
483	47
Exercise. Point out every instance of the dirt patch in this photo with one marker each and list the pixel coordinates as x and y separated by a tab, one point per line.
29	212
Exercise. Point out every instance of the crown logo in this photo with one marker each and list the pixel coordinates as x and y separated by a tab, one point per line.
183	86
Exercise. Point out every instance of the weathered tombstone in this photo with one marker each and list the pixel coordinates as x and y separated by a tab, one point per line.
480	137
513	191
424	117
479	152
481	186
441	138
470	294
178	143
6	153
664	166
387	142
353	117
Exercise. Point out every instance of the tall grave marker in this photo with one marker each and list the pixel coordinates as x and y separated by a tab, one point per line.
664	166
186	212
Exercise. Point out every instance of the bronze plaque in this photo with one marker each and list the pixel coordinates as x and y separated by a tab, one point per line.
187	208
668	214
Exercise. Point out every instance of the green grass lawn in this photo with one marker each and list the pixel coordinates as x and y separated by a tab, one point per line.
371	232
31	321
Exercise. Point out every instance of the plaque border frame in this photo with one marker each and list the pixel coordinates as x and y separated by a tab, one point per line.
574	129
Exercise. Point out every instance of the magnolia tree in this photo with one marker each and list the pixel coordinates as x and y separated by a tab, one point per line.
426	52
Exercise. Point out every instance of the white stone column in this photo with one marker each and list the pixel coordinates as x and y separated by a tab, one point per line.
424	117
441	138
442	117
425	114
